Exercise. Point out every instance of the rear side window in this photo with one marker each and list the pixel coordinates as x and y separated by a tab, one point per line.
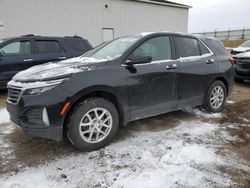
204	49
159	48
187	46
216	46
47	46
16	48
78	45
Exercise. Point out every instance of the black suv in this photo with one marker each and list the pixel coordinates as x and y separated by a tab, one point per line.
120	81
20	53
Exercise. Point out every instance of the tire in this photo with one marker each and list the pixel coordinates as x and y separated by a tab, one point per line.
239	80
85	127
210	103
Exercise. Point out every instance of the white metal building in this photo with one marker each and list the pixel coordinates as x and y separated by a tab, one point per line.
96	20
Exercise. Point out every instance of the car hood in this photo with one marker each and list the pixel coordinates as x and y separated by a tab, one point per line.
57	70
241	49
243	55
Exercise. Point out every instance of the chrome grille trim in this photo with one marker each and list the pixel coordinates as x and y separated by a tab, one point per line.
14	94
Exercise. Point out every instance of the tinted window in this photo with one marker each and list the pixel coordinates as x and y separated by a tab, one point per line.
159	48
16	48
45	47
78	45
204	49
216	46
187	46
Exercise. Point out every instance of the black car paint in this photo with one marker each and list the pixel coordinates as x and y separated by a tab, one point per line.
242	66
12	64
137	91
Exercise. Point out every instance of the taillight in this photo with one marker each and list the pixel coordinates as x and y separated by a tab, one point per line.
232	61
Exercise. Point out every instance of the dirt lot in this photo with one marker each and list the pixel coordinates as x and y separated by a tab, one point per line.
19	151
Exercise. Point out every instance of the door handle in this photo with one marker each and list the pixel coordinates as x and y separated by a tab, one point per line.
62	58
27	60
171	67
210	61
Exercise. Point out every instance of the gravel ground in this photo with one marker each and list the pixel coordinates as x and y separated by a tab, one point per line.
188	148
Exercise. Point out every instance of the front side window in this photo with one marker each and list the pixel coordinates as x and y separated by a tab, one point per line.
16	48
159	48
47	47
187	46
113	49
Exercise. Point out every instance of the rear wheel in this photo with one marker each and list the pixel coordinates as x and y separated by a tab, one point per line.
93	124
215	97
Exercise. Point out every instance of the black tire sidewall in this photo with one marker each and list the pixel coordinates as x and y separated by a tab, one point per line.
79	111
207	104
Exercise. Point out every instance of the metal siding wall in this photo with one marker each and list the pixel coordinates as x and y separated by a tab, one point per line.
87	17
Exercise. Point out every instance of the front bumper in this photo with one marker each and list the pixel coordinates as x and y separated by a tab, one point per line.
27	113
242	73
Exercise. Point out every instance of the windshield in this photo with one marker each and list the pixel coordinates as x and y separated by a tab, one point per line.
245	44
113	49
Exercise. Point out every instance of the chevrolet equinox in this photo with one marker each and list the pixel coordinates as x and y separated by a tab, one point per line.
127	79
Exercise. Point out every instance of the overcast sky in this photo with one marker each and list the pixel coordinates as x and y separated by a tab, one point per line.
208	15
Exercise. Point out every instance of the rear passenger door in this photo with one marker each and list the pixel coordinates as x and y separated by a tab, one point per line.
48	51
197	68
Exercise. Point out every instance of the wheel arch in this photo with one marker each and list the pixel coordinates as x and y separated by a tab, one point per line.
225	82
105	92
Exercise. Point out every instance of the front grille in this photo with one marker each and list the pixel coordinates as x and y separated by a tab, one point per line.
244	63
13	94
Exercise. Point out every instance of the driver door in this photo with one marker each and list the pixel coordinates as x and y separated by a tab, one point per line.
152	86
16	56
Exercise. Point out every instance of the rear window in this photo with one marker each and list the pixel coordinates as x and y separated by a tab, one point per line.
78	45
187	46
47	46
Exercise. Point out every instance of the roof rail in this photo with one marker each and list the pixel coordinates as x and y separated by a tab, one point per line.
28	35
75	36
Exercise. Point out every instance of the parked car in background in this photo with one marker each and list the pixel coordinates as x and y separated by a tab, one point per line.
244	47
127	79
242	66
20	53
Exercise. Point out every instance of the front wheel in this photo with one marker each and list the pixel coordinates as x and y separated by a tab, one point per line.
93	124
215	97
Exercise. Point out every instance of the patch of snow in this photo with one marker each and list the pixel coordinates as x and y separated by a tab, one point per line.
244	119
198	112
4	116
82	59
143	159
230	102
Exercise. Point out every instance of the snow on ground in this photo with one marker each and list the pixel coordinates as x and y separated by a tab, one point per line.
4	116
177	157
5	129
230	102
198	112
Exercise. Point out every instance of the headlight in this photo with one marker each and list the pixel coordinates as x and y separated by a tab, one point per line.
41	87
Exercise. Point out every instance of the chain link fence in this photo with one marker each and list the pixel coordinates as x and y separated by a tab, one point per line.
243	33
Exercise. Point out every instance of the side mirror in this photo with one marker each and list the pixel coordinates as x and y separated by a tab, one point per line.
1	54
138	60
